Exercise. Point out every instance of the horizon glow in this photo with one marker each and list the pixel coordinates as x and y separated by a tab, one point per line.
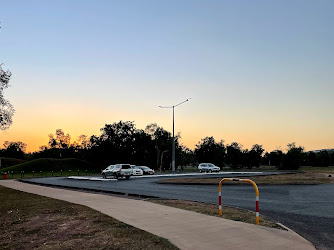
257	72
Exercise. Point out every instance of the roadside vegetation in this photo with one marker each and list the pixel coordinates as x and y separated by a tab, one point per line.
47	167
230	213
30	221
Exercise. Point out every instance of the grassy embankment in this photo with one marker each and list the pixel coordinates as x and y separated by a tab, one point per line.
8	162
30	221
306	176
48	167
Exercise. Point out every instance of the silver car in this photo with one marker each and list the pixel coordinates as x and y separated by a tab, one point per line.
108	171
208	167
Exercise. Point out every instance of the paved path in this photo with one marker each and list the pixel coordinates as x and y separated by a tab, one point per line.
306	209
185	229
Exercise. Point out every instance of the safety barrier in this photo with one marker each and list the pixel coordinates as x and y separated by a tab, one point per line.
242	180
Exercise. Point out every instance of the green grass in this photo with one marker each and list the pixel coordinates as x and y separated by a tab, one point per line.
8	162
29	221
36	174
47	165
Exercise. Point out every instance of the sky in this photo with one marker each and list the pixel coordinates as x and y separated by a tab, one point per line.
257	72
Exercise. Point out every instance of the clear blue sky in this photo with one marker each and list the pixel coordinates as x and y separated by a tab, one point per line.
257	71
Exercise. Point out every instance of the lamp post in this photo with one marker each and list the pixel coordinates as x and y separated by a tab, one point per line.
173	146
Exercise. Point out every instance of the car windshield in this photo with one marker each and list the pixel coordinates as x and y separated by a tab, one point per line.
145	167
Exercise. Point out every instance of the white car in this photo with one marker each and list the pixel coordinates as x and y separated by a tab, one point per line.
146	170
208	167
136	170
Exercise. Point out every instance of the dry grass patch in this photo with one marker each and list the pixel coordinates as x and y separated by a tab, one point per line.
29	221
230	213
307	178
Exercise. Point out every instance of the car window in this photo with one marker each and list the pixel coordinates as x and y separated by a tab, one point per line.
126	167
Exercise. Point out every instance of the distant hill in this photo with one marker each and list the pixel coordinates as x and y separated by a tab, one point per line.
50	164
7	162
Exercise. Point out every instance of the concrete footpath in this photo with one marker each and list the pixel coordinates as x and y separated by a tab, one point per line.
185	229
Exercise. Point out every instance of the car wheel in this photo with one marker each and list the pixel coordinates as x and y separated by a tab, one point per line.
210	171
104	176
200	171
127	177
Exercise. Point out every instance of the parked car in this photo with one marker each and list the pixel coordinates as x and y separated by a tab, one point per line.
146	170
119	170
107	171
136	170
208	167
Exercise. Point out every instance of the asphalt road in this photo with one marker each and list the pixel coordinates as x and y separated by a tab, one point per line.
306	209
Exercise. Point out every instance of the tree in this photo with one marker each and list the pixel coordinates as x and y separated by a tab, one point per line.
185	156
163	144
255	156
319	159
59	140
6	108
234	155
14	149
275	158
293	158
208	150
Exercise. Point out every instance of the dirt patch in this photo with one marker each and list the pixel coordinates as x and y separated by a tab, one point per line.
29	221
308	178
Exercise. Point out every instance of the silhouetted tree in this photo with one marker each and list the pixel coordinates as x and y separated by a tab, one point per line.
185	157
319	159
14	149
59	140
6	108
234	155
208	150
254	156
293	158
163	142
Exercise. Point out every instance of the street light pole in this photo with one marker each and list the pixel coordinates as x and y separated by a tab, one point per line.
173	146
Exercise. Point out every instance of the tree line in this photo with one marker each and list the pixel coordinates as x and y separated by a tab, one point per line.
123	142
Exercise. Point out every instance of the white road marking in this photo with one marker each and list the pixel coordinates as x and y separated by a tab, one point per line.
157	175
